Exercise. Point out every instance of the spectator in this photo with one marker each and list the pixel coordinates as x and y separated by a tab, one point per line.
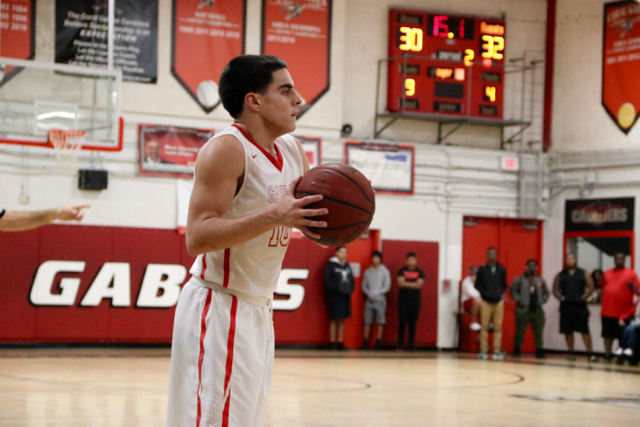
630	344
530	291
410	281
618	306
21	220
471	299
338	279
492	284
375	285
597	276
572	286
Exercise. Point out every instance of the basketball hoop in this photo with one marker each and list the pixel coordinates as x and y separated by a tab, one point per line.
67	144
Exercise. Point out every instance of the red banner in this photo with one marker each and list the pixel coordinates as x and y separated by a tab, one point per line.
17	33
299	31
207	34
169	150
621	63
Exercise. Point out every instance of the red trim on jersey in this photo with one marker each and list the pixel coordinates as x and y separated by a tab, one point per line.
229	366
203	332
204	266
227	256
276	162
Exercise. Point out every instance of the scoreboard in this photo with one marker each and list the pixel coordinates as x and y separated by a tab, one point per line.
445	64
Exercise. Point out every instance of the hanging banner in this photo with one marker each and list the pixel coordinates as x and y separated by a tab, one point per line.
207	34
621	63
170	151
312	147
299	31
390	168
82	36
600	214
17	34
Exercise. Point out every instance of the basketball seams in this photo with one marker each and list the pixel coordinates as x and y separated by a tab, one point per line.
306	193
349	178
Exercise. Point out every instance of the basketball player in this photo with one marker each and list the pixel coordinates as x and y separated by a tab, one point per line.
23	220
241	213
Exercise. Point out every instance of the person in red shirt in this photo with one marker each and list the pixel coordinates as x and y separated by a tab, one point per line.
618	306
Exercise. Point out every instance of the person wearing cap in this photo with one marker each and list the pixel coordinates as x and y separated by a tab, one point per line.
471	299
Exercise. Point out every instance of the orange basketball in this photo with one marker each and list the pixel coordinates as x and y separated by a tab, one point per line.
347	195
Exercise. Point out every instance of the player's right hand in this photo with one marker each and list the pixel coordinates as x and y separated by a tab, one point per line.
292	213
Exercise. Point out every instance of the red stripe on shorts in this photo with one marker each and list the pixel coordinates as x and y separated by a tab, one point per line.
203	332
204	266
227	255
229	367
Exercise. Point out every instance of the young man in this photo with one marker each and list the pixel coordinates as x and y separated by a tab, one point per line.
24	220
618	306
241	213
530	292
338	279
572	286
410	281
375	285
471	299
492	284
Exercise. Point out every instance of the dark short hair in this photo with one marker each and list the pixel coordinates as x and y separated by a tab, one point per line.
492	248
570	253
246	74
376	253
340	247
411	254
620	253
532	260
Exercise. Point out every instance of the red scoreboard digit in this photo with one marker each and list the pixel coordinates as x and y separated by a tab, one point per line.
444	64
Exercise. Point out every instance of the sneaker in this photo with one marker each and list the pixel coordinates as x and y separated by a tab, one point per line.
540	354
618	352
516	352
377	345
593	359
483	355
627	352
475	326
341	347
499	355
364	346
333	346
571	357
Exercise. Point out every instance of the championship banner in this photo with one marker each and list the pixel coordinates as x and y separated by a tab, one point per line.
299	31
82	36
600	214
17	34
390	168
170	151
621	63
312	148
207	34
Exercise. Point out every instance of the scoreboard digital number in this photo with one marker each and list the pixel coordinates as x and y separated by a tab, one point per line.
444	64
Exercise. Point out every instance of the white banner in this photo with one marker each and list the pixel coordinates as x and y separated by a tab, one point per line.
388	167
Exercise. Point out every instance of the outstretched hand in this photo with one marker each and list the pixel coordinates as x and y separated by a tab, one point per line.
71	213
292	213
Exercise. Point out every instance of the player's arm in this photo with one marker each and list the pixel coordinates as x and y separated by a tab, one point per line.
402	283
303	155
220	168
590	286
556	287
20	220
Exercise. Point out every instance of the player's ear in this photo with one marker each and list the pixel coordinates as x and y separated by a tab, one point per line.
253	101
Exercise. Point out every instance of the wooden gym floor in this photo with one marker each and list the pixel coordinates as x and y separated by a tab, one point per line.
128	387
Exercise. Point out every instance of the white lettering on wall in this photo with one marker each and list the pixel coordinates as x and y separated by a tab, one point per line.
41	290
113	281
295	292
165	277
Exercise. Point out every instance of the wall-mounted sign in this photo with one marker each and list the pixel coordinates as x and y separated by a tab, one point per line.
17	34
170	151
600	214
390	168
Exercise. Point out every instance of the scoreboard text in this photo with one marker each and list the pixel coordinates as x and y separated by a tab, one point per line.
443	64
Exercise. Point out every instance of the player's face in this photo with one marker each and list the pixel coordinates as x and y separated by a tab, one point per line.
280	105
570	261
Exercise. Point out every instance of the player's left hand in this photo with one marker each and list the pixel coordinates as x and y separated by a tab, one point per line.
71	213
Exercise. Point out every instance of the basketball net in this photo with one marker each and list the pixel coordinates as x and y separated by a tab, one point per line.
67	144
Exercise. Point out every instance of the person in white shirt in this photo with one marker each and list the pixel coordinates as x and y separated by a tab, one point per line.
471	300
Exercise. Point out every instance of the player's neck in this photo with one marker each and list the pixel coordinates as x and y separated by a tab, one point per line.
259	134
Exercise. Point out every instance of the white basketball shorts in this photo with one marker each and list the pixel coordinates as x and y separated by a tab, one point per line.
221	360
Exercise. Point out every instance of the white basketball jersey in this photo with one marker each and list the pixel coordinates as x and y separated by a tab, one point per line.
253	267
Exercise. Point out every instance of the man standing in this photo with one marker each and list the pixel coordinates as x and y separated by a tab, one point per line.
375	285
27	220
572	286
223	344
492	284
530	291
338	279
471	299
410	281
619	287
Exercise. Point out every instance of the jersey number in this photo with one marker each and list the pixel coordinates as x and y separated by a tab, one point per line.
280	237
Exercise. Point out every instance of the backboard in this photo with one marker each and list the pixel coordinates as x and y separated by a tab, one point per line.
46	96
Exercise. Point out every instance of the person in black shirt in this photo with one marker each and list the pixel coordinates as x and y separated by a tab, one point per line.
491	282
530	291
338	280
410	281
572	286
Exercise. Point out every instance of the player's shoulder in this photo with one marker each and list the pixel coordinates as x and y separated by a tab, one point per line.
221	152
